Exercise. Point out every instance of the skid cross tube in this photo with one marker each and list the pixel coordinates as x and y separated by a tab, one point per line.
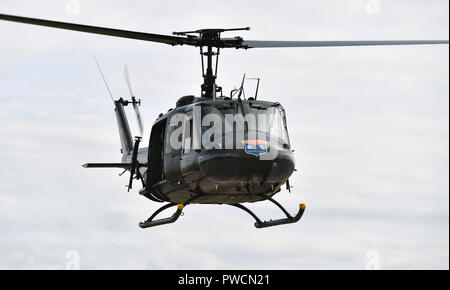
258	221
264	224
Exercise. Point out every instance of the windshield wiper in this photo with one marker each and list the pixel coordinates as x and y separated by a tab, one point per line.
258	107
219	107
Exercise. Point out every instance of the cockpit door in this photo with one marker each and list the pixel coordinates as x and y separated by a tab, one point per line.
156	154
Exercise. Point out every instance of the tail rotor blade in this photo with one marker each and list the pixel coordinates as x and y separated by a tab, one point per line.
127	78
138	116
135	102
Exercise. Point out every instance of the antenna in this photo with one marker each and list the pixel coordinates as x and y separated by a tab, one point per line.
241	89
257	85
103	77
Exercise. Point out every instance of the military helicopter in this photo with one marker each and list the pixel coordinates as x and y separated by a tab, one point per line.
212	148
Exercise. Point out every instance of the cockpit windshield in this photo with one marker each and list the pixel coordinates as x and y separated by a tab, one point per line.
235	122
227	125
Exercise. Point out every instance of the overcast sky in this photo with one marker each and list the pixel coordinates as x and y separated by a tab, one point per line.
369	126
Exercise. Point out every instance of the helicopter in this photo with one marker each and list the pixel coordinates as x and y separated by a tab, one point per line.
212	148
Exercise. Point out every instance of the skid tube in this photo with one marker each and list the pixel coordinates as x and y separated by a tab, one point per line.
264	224
151	223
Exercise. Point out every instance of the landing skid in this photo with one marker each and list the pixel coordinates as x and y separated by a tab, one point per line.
151	222
264	224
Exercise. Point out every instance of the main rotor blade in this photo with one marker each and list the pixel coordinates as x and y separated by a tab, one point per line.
199	41
269	43
168	39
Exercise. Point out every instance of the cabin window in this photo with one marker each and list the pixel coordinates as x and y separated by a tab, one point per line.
174	136
179	135
187	133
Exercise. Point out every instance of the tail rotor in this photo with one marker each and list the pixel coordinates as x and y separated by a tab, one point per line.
136	102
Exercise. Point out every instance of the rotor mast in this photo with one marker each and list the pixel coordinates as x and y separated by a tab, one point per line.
210	39
209	86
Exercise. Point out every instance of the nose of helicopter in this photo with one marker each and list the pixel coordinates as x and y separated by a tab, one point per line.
225	166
